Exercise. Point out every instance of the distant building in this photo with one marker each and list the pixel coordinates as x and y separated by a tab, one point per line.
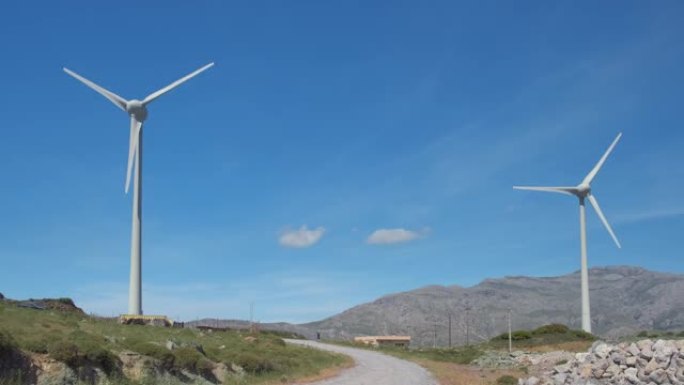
400	341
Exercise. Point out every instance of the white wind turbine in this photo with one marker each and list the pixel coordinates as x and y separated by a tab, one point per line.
582	191
137	109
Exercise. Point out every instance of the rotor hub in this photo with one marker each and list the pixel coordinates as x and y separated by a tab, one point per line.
137	108
583	190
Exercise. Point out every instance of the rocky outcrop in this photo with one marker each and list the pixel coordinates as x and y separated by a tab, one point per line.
643	362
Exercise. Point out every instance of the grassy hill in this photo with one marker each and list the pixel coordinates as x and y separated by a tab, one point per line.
138	353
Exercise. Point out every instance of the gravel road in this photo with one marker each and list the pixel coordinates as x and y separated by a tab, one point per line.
372	368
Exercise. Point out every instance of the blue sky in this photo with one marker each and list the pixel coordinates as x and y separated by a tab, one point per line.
337	128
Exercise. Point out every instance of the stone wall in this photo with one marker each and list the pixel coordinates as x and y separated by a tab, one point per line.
642	362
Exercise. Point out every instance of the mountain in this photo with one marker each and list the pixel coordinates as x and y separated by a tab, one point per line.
624	300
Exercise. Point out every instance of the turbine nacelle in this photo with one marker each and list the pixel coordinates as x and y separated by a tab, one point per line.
137	109
583	190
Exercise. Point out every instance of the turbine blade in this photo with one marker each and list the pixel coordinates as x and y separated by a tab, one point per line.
132	147
592	174
560	190
151	97
114	98
595	204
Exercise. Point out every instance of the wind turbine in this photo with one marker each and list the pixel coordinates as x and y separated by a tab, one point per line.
583	191
137	110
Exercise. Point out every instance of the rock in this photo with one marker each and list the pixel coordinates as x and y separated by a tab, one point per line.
171	345
631	375
532	381
612	371
633	350
237	369
602	350
631	361
650	367
643	344
658	376
222	372
581	357
559	378
617	358
646	353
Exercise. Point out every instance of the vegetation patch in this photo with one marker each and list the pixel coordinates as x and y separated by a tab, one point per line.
552	334
79	340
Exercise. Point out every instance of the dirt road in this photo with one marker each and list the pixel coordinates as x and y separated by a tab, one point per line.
372	368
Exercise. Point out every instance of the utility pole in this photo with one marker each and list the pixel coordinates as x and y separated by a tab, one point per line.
434	339
510	334
251	312
449	330
467	309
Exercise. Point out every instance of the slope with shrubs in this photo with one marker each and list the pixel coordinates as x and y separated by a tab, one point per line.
544	338
79	340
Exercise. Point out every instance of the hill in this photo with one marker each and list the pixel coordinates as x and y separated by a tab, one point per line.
624	300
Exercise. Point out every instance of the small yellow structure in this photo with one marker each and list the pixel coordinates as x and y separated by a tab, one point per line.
400	341
156	320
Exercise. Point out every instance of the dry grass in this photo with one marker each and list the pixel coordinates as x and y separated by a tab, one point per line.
570	346
455	374
326	373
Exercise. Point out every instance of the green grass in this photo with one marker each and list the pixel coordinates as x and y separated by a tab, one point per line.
78	340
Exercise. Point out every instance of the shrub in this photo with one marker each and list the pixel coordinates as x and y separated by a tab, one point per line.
66	301
187	358
561	362
7	345
36	345
519	335
100	356
204	367
65	352
680	334
642	333
162	354
254	364
581	334
551	329
507	380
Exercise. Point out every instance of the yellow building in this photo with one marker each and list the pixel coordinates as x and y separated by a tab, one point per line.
400	341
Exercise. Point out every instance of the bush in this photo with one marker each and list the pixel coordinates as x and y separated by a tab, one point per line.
7	345
680	334
254	364
507	380
100	356
520	335
581	334
162	354
65	352
187	358
642	333
551	329
66	301
36	345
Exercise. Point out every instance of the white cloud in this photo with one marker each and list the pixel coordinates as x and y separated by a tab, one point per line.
389	236
302	237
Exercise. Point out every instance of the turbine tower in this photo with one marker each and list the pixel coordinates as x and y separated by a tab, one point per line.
137	110
583	191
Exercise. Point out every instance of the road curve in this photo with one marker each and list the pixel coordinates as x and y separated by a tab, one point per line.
372	368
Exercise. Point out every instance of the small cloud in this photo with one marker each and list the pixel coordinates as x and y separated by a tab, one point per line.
390	236
300	238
